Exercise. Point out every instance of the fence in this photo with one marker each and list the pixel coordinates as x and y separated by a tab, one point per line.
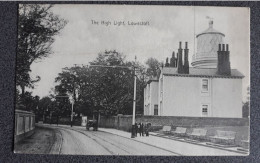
24	124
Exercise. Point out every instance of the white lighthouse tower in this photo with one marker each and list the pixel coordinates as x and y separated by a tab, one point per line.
207	47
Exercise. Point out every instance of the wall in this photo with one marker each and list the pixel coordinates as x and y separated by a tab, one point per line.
63	120
227	95
224	97
181	96
145	101
160	94
153	96
124	122
24	124
150	97
118	122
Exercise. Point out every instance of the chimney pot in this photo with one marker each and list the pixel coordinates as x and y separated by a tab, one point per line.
180	64
223	61
180	45
219	47
167	62
186	59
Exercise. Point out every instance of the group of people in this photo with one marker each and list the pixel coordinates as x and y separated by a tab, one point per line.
142	129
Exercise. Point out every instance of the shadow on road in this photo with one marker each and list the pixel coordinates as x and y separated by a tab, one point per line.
40	142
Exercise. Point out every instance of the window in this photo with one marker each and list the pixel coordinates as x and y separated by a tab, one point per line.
205	110
155	109
205	85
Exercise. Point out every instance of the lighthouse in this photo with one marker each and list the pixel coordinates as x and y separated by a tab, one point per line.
207	48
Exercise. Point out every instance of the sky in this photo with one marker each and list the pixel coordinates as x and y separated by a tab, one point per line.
80	41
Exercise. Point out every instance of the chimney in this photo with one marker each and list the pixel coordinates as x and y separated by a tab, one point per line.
172	61
186	59
180	64
223	60
176	60
167	62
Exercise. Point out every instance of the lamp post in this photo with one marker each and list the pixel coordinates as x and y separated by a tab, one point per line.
71	117
134	107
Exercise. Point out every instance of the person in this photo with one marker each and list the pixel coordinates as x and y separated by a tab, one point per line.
135	129
142	129
146	130
139	128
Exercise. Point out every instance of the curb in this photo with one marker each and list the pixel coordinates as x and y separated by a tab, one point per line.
210	146
142	142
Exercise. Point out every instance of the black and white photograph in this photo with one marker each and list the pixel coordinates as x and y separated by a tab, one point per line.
132	80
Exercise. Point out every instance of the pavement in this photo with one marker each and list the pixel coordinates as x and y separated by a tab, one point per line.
41	142
180	146
122	143
78	141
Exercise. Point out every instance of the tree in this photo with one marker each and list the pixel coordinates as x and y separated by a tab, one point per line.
37	26
28	102
102	89
44	103
246	107
153	67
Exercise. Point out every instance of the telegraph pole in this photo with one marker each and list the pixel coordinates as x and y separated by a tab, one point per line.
71	118
134	104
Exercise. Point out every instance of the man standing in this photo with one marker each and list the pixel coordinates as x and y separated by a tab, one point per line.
146	130
142	129
136	129
139	128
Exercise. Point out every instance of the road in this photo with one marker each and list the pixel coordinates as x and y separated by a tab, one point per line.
82	142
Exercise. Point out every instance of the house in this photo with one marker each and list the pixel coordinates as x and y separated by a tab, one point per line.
151	97
201	93
210	89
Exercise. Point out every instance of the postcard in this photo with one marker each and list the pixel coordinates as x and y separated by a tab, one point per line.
132	80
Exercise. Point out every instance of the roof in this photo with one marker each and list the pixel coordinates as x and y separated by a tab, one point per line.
152	79
201	72
210	30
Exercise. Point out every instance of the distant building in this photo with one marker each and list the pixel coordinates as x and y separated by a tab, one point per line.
210	89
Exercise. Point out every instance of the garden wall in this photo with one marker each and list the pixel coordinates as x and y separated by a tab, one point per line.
124	122
24	125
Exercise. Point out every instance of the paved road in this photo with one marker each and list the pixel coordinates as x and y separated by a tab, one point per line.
82	142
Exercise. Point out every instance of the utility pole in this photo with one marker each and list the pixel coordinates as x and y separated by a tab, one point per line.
71	118
134	104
